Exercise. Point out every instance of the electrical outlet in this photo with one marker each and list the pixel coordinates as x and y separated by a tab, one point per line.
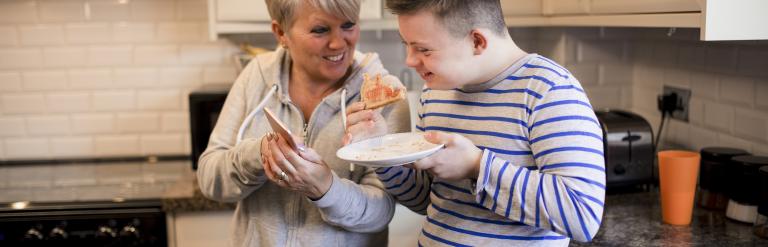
683	96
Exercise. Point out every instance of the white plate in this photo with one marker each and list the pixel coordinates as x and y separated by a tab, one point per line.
388	150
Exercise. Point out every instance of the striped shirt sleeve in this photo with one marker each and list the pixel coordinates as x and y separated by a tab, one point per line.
565	189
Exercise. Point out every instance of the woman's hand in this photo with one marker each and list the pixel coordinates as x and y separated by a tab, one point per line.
303	171
459	159
363	123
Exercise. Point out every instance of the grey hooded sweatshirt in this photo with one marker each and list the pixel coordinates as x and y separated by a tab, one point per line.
354	212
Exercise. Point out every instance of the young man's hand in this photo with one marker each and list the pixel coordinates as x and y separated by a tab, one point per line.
460	159
363	123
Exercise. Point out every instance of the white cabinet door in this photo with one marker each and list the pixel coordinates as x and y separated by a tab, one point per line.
566	7
643	6
521	7
241	10
201	229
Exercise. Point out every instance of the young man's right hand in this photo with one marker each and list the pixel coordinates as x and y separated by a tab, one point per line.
363	123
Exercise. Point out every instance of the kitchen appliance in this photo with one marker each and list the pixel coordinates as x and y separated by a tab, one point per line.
205	105
628	148
127	223
743	192
761	223
715	163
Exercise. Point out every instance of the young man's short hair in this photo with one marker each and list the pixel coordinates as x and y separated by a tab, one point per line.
458	16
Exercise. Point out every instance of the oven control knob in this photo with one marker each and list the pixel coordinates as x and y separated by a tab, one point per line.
105	232
58	233
619	169
130	234
33	234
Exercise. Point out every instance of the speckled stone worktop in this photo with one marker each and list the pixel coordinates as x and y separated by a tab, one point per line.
171	184
635	220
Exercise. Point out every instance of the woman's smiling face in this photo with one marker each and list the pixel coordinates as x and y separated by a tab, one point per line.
322	45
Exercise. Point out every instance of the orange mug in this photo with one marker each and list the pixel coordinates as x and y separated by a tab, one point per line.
678	171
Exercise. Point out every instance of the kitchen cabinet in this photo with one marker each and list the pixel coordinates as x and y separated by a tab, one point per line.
199	228
252	16
717	19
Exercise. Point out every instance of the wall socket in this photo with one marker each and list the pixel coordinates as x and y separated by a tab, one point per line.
683	96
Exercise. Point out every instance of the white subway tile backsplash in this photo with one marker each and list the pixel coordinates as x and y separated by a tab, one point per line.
752	61
586	73
702	137
647	76
8	35
135	32
181	76
18	12
677	77
136	77
110	10
23	103
761	93
718	116
30	176
642	98
219	75
110	55
722	59
760	149
116	145
90	78
62	10
138	122
12	126
604	96
738	90
179	31
195	10
10	81
162	144
665	53
751	125
696	111
89	33
44	80
726	140
69	101
64	56
51	125
26	148
615	73
156	55
693	57
704	85
168	99
75	175
41	34
600	51
149	10
72	147
212	54
678	132
114	100
175	122
93	123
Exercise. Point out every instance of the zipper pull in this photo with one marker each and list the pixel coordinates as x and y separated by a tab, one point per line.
304	133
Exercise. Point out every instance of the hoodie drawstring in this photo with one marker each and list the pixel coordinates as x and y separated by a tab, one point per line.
252	114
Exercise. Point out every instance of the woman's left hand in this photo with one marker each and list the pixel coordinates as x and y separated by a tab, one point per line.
304	171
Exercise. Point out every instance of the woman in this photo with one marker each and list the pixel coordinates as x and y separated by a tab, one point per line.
305	197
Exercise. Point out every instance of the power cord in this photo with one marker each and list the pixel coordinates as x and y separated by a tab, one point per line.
667	104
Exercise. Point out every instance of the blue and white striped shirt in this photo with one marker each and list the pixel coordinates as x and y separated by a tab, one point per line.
542	175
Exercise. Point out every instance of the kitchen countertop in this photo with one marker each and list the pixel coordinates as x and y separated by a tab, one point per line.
171	184
635	220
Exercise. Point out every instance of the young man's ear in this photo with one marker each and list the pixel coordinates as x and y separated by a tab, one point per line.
279	33
479	41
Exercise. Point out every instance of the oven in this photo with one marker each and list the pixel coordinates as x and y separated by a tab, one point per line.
127	223
205	105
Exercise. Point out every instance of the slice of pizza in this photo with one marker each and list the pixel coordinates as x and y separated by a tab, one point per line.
377	92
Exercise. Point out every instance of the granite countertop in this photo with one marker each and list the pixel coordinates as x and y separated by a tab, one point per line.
171	184
635	220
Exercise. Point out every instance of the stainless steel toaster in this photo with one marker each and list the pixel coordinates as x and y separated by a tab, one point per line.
628	147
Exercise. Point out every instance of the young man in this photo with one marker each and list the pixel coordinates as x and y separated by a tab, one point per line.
523	159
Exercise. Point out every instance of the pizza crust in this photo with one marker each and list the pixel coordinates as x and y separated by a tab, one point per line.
377	92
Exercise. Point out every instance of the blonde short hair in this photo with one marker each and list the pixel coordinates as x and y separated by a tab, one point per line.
282	11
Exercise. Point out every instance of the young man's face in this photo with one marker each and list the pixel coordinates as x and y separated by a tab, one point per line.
321	44
441	59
